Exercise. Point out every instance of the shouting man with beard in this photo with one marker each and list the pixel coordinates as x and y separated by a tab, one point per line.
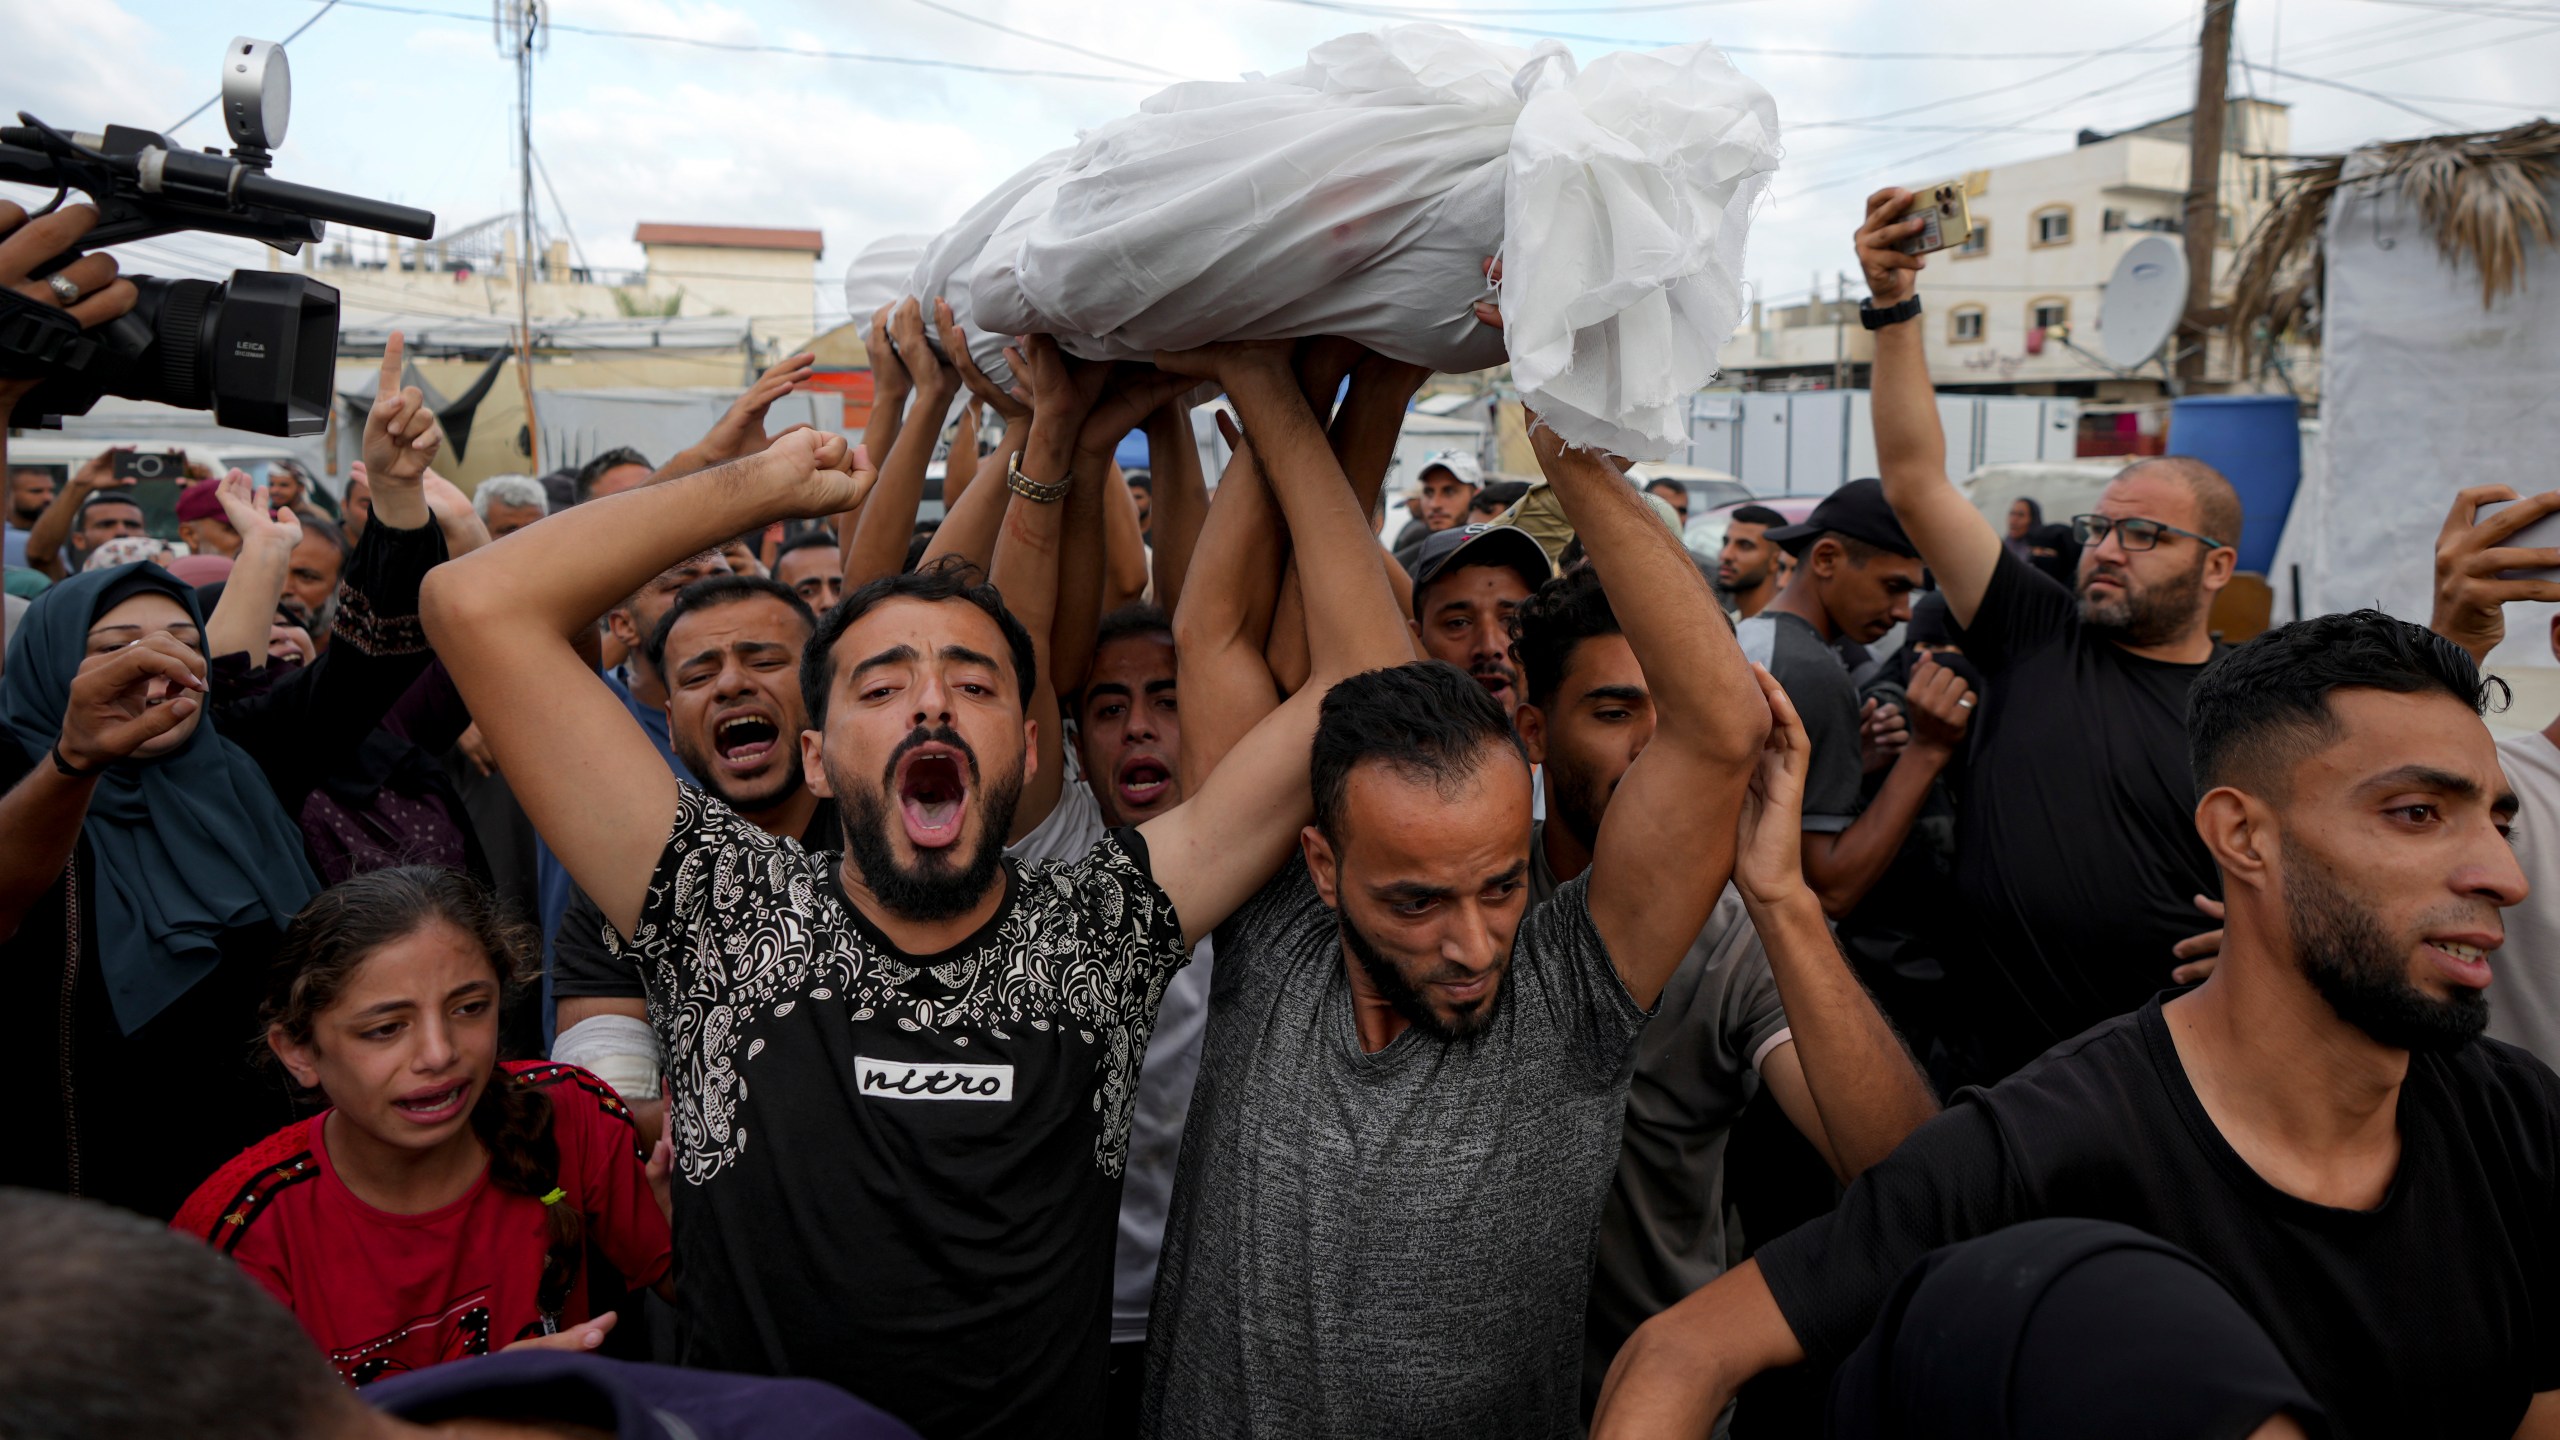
900	1078
2073	850
2320	1123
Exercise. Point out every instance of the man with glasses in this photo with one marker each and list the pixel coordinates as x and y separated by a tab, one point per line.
2076	848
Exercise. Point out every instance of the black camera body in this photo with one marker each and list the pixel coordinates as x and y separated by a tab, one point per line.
258	350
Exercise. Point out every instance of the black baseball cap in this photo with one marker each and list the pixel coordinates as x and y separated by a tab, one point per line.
1857	510
1460	546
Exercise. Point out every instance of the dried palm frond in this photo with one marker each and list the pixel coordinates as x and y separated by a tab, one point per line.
2484	196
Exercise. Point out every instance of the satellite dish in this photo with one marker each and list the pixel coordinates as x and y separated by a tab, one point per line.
2144	298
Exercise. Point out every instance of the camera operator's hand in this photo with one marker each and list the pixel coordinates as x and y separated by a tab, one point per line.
1892	276
96	295
401	439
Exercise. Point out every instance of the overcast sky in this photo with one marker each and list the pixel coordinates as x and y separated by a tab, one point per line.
410	101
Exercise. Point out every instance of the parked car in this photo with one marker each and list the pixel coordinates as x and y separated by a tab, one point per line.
1707	488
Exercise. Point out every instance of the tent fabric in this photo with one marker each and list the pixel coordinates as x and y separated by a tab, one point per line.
2423	393
1357	195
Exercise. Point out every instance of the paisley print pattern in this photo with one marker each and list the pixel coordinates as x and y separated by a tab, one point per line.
740	925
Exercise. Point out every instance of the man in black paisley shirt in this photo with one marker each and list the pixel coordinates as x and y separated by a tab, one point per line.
900	1078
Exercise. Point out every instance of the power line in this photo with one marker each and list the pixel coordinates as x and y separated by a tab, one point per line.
746	48
999	26
289	39
1999	89
2356	90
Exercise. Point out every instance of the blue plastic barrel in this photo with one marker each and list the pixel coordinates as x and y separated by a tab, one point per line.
2256	442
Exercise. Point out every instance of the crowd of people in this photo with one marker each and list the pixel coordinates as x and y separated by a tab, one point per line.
687	949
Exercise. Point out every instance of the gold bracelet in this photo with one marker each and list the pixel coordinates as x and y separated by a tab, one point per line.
1032	490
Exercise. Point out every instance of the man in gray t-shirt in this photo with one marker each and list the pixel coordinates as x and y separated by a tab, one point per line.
1407	1114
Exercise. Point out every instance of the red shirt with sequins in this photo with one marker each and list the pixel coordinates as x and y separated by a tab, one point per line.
383	1294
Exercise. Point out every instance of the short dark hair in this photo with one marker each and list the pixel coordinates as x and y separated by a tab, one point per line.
1499	495
1428	720
1140	478
808	540
118	496
594	469
1756	515
917	544
715	590
116	1327
947	579
1138	617
1552	624
2259	709
331	531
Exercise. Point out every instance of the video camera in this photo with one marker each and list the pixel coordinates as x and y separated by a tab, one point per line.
259	350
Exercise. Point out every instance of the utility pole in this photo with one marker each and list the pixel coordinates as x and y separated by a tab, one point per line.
522	30
2204	184
1840	332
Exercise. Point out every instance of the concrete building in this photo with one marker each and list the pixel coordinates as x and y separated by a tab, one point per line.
2047	234
767	276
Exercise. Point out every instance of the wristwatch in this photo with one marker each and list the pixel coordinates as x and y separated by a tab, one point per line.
1875	319
1035	491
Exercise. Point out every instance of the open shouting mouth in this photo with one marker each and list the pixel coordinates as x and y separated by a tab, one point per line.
745	740
932	784
1142	781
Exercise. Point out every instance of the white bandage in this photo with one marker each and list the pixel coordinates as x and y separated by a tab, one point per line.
616	1049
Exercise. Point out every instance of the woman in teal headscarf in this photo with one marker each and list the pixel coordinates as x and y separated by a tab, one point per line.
129	988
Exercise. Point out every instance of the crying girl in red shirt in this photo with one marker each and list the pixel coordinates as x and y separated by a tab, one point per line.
445	1203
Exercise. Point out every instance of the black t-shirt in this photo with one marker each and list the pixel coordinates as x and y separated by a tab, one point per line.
901	1173
2436	1313
2076	845
1818	685
584	965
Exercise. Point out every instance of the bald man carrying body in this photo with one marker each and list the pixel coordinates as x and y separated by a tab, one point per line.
2077	851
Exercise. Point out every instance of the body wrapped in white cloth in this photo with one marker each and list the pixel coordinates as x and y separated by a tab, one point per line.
1357	195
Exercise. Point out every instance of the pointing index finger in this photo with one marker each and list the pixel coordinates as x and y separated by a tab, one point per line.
393	351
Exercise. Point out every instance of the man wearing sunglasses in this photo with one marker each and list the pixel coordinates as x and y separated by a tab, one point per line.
2076	850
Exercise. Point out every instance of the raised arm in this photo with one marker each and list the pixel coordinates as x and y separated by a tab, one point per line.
1676	1374
1027	554
501	619
2471	556
1222	630
890	387
887	524
972	516
1911	447
1086	580
1666	845
1226	840
740	430
1182	498
1363	435
1843	1076
112	713
243	618
1124	545
1844	865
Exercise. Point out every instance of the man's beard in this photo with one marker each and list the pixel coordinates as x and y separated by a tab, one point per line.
1744	582
706	770
2343	951
1406	997
935	887
2153	616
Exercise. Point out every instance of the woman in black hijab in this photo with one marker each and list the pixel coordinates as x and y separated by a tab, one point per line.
129	988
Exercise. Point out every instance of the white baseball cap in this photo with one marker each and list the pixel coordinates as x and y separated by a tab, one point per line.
1457	462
